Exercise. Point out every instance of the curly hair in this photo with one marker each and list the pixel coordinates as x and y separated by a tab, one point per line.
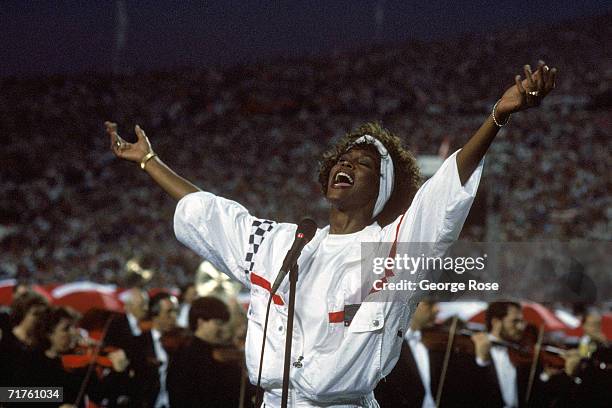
407	175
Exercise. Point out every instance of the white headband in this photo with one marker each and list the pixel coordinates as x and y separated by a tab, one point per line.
386	172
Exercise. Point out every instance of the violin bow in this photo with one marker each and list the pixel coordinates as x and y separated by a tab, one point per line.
534	363
447	354
91	365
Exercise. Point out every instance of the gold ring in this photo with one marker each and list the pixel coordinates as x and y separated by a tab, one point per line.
533	93
118	143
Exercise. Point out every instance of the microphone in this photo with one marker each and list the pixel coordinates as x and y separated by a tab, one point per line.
305	231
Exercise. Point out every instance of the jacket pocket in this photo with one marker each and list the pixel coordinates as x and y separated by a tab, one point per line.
370	317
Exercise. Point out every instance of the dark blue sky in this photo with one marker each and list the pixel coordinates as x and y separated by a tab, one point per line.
71	36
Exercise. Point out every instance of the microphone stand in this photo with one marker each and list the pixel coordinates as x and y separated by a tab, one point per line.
293	277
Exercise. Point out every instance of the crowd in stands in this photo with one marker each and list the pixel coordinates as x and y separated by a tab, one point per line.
70	210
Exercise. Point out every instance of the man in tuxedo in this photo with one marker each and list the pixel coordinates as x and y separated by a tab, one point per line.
502	383
593	339
125	328
414	380
123	333
151	359
589	384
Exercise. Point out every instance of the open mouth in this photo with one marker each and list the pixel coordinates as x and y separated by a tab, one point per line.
343	180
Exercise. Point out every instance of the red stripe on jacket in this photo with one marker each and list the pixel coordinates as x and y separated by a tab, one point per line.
262	282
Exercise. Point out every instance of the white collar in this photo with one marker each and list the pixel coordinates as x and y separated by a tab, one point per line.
133	322
156	334
412	334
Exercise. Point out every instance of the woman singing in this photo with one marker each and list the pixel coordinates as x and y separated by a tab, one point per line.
371	183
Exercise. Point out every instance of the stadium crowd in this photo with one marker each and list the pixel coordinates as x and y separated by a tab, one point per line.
251	133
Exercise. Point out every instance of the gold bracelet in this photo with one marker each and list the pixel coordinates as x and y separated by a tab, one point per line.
145	159
493	114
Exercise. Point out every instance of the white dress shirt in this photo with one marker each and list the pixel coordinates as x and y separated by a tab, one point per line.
133	322
421	357
333	365
506	373
163	399
183	317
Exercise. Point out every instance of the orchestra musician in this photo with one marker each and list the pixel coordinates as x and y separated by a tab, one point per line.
593	339
151	358
17	341
125	328
503	384
507	381
55	335
195	377
589	381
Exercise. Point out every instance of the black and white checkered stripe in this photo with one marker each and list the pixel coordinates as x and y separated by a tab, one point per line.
259	228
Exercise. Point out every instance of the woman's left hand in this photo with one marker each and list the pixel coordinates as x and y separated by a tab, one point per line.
529	92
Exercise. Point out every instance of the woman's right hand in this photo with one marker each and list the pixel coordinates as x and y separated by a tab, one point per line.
176	186
129	151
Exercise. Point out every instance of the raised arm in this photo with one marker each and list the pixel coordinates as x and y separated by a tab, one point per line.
523	95
142	153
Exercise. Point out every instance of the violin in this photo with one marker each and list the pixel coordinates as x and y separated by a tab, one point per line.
436	338
452	338
92	355
83	356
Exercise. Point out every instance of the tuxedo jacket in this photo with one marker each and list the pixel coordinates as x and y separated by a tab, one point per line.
119	334
403	387
146	372
488	392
